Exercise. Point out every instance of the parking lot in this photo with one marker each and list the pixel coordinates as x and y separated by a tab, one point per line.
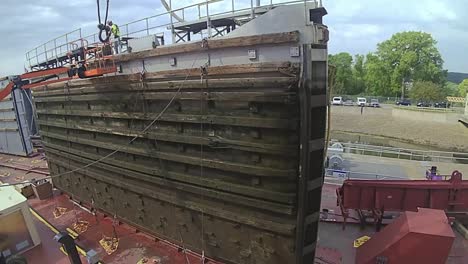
380	122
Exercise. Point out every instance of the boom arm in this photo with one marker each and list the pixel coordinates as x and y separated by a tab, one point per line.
43	76
6	91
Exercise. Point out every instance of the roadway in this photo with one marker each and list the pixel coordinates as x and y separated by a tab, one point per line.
371	167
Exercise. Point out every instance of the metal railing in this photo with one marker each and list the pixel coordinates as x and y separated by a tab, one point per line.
357	175
404	153
163	25
53	49
338	176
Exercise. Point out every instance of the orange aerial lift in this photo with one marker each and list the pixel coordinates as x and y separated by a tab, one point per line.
95	60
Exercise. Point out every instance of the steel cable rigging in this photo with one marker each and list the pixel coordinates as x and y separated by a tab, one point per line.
103	26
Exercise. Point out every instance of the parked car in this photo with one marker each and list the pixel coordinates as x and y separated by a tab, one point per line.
337	100
441	105
374	103
424	104
404	102
348	103
361	101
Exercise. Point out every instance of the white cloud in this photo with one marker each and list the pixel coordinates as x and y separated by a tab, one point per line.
355	26
44	12
436	10
359	31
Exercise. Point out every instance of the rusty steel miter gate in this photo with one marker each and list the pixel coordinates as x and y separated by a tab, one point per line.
380	196
216	145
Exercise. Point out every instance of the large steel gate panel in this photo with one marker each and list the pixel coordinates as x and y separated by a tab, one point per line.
15	132
216	145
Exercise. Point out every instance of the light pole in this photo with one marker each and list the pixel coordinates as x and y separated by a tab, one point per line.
402	89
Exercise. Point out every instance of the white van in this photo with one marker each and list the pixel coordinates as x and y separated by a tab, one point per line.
361	101
337	100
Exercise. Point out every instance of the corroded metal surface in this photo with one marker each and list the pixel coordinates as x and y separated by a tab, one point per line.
217	172
133	245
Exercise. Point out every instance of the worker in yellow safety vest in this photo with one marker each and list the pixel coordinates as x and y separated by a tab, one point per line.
115	31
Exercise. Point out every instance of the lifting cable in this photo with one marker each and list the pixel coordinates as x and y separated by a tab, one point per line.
203	80
103	26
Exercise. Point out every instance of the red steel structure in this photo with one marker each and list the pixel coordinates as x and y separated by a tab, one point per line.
49	73
424	236
378	196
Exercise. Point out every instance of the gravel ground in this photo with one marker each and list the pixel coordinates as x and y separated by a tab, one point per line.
379	122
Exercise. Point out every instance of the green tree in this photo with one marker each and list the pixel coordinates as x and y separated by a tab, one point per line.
405	56
451	89
377	79
427	91
350	74
359	73
344	73
463	88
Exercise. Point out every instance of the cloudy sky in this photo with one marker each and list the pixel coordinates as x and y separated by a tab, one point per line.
355	26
